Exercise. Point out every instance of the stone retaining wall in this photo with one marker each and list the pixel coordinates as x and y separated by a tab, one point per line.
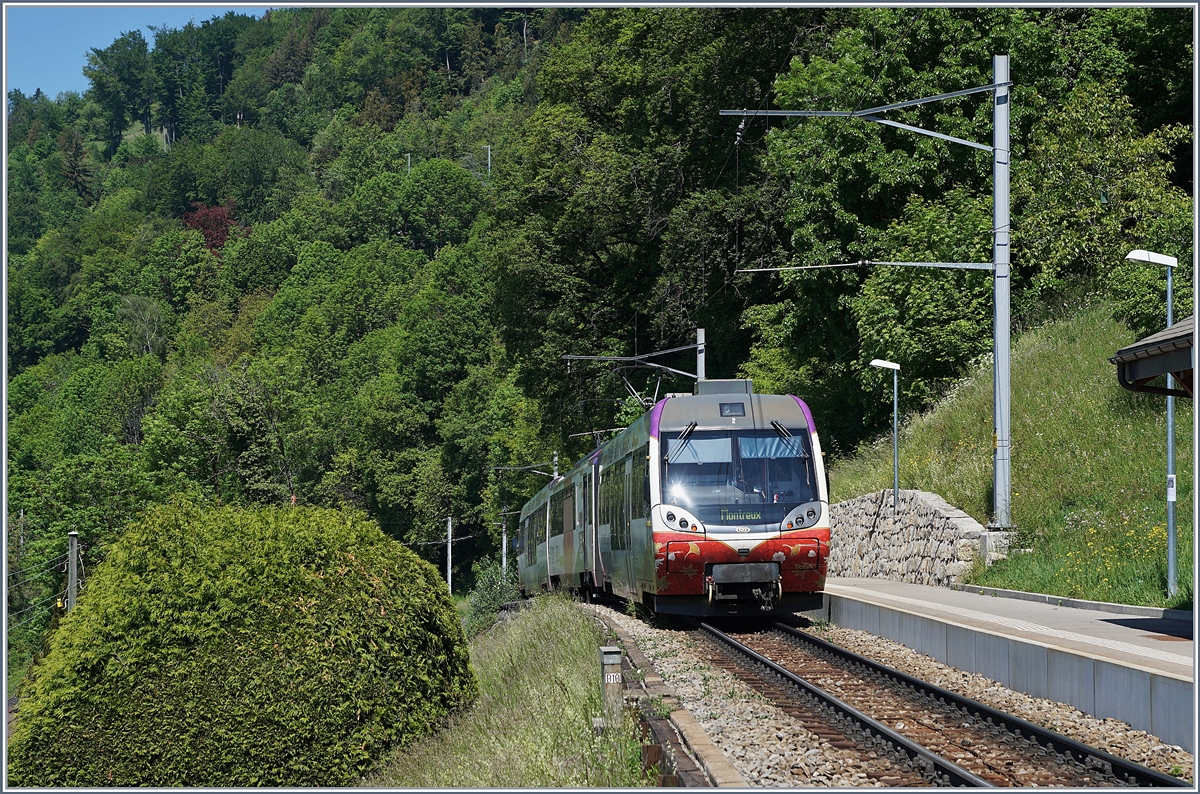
926	540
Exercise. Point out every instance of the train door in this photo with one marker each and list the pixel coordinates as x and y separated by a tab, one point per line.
614	505
541	528
570	573
641	537
555	562
623	564
604	527
583	528
592	506
519	550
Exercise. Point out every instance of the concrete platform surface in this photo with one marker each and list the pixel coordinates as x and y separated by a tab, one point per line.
1160	645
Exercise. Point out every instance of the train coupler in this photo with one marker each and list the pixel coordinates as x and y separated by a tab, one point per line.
767	595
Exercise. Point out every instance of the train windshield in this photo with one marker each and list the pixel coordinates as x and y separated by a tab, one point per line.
716	474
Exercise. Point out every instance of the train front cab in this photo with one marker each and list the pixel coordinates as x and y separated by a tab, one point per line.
741	508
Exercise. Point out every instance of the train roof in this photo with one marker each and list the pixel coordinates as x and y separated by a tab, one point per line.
729	411
718	405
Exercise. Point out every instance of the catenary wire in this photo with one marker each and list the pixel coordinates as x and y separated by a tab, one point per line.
60	558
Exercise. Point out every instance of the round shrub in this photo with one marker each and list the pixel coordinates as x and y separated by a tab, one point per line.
232	647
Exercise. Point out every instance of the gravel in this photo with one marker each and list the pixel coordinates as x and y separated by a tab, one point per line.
1112	736
770	748
767	746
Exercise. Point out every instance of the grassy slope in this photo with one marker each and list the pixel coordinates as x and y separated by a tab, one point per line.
1088	467
539	680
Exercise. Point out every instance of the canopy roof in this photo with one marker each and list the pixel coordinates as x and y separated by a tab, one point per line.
1170	350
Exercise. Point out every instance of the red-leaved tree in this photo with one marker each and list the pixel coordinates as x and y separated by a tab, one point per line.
213	222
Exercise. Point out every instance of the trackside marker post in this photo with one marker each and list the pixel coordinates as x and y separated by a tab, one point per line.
610	667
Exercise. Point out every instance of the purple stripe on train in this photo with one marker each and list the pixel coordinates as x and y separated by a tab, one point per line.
807	413
656	416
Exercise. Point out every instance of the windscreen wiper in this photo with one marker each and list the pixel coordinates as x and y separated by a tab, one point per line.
795	445
790	440
680	440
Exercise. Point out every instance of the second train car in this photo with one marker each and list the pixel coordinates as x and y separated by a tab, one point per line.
710	504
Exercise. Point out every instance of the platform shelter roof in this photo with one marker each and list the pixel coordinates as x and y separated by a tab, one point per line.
1170	350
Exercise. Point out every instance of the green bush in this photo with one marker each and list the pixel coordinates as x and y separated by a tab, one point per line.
236	647
493	588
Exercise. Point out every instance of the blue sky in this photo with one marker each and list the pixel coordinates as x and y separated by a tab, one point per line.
46	46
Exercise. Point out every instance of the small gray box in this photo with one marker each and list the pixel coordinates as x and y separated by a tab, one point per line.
746	573
725	386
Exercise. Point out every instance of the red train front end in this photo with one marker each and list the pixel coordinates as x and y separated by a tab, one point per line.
741	523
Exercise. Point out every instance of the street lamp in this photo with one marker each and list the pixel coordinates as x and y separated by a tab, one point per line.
895	368
1170	263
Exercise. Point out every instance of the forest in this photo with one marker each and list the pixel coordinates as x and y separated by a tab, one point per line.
334	257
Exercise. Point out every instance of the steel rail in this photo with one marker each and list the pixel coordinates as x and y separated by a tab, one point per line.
944	771
1135	774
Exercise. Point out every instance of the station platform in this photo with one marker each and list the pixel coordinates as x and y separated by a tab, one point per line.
1138	668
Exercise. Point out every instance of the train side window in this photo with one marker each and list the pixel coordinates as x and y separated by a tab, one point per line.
556	513
626	501
585	506
641	475
612	495
537	533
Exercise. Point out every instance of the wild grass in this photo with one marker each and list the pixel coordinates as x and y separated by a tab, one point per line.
539	680
1088	467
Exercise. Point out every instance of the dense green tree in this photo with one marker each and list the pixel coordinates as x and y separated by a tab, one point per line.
25	184
262	259
123	83
331	300
73	164
131	165
259	171
432	207
178	64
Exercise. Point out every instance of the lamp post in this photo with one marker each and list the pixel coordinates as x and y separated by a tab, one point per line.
1170	263
895	368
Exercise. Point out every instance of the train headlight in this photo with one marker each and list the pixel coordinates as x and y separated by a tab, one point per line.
802	516
675	518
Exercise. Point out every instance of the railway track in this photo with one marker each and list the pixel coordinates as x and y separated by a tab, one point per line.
909	732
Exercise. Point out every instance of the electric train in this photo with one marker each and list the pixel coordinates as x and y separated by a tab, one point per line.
710	504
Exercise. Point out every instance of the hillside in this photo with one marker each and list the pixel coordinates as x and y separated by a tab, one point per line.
1088	466
333	257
